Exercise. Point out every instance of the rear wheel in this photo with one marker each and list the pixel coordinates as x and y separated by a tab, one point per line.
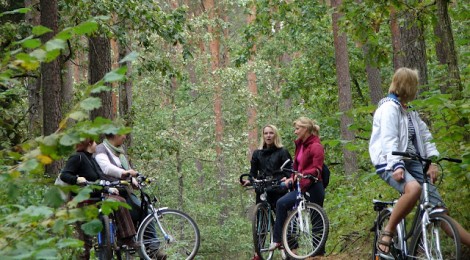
305	235
382	222
262	228
443	240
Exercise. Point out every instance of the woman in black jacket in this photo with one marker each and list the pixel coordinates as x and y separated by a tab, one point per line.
267	161
82	167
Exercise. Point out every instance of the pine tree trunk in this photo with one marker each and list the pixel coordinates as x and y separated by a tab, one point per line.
445	50
99	57
51	83
374	79
344	87
253	90
414	47
396	45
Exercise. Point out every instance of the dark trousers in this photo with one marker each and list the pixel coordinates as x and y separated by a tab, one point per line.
315	193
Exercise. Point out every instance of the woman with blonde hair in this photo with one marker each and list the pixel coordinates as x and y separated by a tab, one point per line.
266	161
308	160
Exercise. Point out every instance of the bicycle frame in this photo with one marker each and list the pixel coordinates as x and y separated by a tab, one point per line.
422	217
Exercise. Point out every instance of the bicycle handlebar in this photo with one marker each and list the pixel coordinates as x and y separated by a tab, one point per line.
419	158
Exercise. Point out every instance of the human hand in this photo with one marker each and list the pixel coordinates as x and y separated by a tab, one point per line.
134	182
81	180
128	173
399	174
245	183
113	191
432	172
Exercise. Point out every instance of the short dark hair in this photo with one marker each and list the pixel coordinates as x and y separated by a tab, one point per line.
80	147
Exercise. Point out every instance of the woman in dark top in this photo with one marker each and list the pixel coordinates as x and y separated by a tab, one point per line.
82	167
267	161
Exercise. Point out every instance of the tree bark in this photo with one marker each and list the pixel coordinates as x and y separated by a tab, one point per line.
445	50
396	45
51	83
32	84
99	57
253	90
214	48
414	46
374	79
344	87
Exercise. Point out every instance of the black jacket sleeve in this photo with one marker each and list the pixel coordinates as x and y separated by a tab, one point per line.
255	164
70	172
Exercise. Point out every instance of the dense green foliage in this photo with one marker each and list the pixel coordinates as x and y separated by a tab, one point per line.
173	127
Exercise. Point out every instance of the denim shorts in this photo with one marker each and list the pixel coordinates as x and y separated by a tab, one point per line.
413	172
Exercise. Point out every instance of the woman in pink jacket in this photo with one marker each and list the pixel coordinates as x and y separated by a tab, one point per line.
309	157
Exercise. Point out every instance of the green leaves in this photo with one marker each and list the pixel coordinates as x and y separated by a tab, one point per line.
93	227
90	103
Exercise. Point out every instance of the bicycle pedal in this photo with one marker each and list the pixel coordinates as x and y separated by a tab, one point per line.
383	256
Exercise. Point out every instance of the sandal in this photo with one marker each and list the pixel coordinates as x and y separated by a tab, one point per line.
382	242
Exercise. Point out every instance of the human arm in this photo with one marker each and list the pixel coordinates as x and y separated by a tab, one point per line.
70	172
389	115
110	169
254	168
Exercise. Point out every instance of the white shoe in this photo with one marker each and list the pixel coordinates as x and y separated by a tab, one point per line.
274	246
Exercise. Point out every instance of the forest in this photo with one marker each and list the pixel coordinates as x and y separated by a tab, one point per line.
192	83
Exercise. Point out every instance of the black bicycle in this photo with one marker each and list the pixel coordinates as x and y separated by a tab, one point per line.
263	214
433	233
107	244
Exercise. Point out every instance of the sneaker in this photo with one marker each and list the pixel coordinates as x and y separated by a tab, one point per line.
274	246
131	243
256	257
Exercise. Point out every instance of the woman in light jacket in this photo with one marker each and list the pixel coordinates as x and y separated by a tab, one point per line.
396	128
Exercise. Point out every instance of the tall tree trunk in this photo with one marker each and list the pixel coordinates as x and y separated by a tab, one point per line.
374	79
214	48
99	57
125	94
253	90
414	47
344	87
445	49
396	45
34	85
51	79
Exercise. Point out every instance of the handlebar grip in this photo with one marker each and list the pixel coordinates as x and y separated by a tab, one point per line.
452	160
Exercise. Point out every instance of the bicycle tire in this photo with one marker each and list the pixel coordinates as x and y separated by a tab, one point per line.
300	244
382	221
441	245
262	229
182	240
105	240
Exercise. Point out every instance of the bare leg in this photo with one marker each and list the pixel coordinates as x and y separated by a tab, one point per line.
464	235
404	206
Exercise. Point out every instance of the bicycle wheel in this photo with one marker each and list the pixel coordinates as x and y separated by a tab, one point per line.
443	240
305	234
382	221
262	227
105	239
176	238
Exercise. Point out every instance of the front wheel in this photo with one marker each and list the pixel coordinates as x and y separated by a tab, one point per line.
305	234
105	239
441	238
177	236
262	227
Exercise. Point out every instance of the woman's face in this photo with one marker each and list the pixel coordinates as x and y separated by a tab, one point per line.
268	135
118	140
301	132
